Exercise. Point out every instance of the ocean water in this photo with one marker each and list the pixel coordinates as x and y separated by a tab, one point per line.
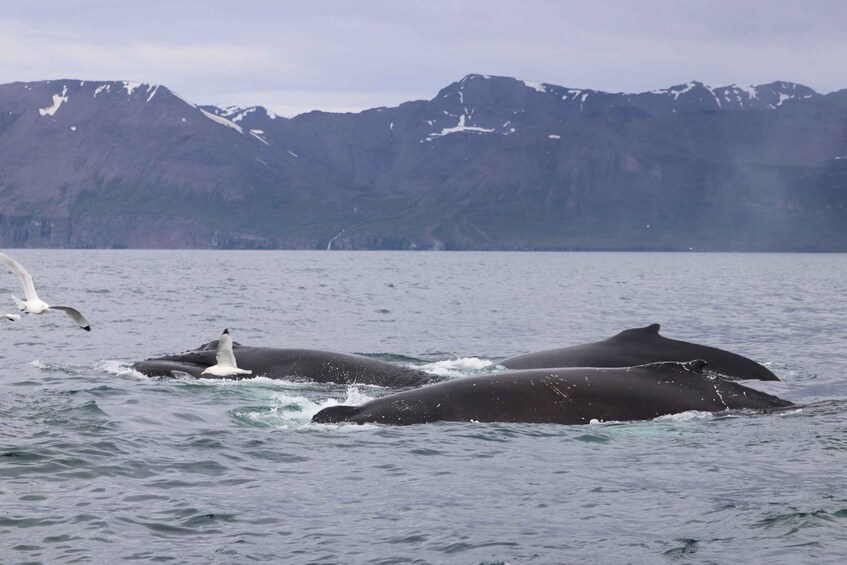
99	464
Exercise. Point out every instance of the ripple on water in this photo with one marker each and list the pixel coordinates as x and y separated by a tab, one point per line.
794	521
101	464
687	546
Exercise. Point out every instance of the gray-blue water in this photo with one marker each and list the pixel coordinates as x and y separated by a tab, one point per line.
101	465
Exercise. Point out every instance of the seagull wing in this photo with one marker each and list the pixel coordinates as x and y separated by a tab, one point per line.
26	278
225	357
75	315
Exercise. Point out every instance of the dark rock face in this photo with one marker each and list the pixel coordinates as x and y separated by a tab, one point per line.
489	163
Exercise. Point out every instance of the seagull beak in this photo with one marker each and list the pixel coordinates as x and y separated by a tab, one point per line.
47	309
204	372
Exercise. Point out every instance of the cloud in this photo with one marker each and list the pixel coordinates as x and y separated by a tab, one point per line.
339	54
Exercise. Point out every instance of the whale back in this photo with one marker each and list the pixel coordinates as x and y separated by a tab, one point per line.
562	396
309	365
639	346
335	414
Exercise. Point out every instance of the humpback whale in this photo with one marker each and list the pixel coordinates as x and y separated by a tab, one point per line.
306	365
639	346
560	396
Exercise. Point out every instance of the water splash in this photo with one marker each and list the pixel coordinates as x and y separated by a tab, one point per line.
689	416
461	367
118	368
289	410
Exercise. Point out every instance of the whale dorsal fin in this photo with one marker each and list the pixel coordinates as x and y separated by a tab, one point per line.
213	346
652	329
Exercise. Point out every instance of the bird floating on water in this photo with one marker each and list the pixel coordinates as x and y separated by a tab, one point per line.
10	317
33	304
226	366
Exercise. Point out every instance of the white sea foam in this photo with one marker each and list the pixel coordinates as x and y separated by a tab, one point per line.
68	368
686	416
461	367
289	410
120	368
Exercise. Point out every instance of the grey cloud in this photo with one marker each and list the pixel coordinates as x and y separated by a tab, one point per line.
340	54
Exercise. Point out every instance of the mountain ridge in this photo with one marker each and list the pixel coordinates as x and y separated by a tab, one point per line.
488	163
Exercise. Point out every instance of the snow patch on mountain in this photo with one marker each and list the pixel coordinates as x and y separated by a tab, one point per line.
58	99
537	86
236	113
222	121
459	128
749	89
257	133
129	86
677	91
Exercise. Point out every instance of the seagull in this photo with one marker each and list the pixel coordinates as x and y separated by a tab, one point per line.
10	317
226	366
33	304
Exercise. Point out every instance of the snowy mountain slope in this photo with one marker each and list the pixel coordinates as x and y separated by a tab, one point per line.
489	162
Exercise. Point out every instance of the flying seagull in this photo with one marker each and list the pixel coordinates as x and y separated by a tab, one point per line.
33	304
226	366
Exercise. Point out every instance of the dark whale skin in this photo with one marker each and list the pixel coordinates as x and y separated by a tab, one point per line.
560	396
640	346
306	365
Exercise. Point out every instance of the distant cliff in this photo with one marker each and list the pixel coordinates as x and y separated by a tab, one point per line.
489	163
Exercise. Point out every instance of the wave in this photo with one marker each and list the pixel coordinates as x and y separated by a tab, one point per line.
289	410
119	368
688	416
67	368
460	367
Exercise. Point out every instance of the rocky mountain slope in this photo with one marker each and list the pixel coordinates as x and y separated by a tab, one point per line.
488	163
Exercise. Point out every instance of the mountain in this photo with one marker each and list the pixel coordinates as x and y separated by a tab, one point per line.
488	163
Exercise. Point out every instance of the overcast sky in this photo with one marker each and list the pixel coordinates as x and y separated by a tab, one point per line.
295	56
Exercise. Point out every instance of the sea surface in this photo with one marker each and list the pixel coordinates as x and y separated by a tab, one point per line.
99	464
